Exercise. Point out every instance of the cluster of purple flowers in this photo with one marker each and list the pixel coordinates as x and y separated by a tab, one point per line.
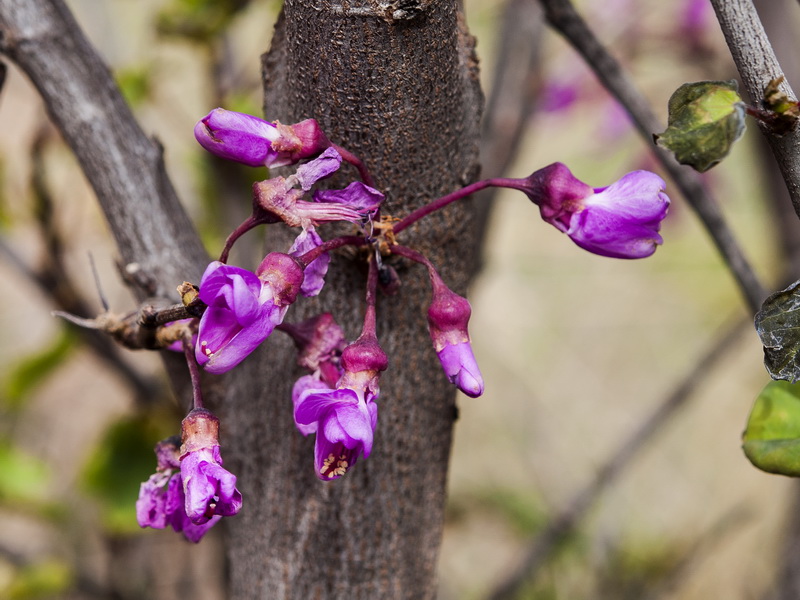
337	400
190	491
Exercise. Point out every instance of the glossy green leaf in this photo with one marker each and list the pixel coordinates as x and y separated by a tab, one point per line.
772	436
778	326
705	119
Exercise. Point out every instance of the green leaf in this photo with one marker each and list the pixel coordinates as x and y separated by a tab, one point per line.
778	326
705	119
772	436
32	370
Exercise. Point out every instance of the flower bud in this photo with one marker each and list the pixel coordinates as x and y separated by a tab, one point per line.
448	317
284	274
255	142
619	221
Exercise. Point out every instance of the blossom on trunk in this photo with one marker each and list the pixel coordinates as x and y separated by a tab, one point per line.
344	418
619	221
209	489
448	317
162	501
242	310
255	142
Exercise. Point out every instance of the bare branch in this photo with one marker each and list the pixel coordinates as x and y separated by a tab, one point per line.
757	64
124	167
562	16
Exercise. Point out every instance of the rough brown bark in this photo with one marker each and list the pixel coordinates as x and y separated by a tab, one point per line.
403	94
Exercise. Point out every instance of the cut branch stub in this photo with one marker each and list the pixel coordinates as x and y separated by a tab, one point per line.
771	440
705	119
778	326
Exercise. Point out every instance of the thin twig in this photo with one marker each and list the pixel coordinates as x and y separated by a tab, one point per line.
562	16
757	64
564	523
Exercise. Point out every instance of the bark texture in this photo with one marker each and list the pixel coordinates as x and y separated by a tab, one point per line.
398	87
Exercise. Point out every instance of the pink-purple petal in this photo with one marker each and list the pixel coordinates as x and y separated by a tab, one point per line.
325	165
314	273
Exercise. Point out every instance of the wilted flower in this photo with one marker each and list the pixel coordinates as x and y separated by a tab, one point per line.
277	199
210	490
161	498
256	142
620	221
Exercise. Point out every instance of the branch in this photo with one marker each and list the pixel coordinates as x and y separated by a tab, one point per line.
562	16
155	238
565	523
758	65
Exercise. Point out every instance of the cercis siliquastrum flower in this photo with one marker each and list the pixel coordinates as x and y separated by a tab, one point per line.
619	221
163	501
258	143
210	490
243	308
336	401
448	318
343	417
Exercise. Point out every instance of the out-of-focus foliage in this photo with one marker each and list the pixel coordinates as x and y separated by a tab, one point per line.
23	479
123	459
24	377
136	84
198	20
42	580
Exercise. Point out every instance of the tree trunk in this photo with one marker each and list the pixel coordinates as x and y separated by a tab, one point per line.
401	91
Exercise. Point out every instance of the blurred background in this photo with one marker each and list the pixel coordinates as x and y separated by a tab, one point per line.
577	351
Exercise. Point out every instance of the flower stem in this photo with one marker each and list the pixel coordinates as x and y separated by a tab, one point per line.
246	226
435	205
369	329
436	280
194	372
338	242
352	159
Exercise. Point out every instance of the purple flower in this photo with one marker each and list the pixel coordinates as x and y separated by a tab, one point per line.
344	418
314	274
256	142
241	314
619	221
345	424
448	318
210	490
161	498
